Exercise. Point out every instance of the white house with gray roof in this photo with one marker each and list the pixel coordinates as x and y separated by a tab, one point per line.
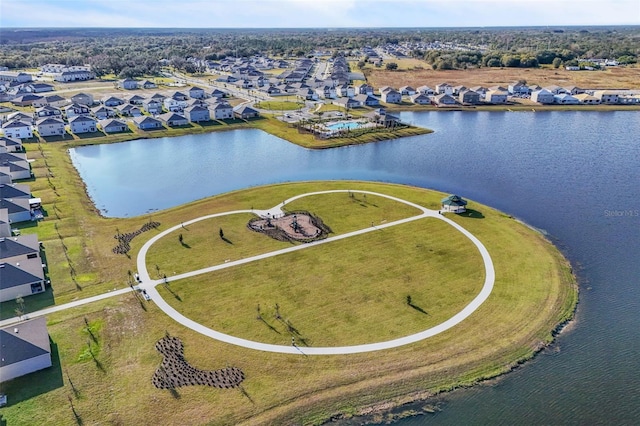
83	124
17	129
50	126
30	348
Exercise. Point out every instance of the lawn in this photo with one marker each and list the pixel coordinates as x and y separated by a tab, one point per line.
534	291
280	105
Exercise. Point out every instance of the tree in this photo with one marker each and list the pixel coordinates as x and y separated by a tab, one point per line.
556	62
221	233
361	64
391	66
20	309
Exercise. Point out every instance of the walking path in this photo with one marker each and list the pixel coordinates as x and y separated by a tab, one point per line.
149	285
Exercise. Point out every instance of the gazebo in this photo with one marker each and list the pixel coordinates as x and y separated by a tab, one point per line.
454	203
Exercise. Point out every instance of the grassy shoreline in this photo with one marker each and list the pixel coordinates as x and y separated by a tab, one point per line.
284	389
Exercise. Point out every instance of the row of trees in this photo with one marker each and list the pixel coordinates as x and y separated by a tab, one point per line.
131	52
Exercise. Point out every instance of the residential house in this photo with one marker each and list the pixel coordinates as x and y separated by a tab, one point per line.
17	129
82	99
443	100
177	102
147	85
391	97
381	117
364	89
83	124
14	190
542	96
480	90
307	94
18	77
48	111
50	126
102	112
129	110
574	90
173	120
425	90
113	126
38	87
135	100
458	89
326	92
77	75
272	91
152	106
5	225
586	99
28	340
606	96
367	100
26	100
147	123
383	89
75	110
222	111
128	84
197	113
244	112
53	100
497	89
556	90
496	97
16	165
454	203
112	101
196	93
444	88
158	97
469	97
345	90
347	103
518	88
22	116
565	99
10	145
19	210
407	91
218	94
420	99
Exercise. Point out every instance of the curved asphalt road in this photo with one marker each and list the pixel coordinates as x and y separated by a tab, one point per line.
150	285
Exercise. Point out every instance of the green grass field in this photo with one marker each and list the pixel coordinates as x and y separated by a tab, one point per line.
280	105
534	291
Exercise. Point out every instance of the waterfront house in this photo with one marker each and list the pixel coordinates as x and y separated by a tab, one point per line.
83	124
565	99
420	99
82	99
28	340
222	111
556	90
128	84
480	90
383	89
50	126
542	96
497	89
586	99
15	164
458	89
245	112
443	100
19	209
496	97
454	204
574	90
469	97
382	117
518	88
145	122
173	120
14	190
17	129
5	226
197	113
606	96
391	97
113	126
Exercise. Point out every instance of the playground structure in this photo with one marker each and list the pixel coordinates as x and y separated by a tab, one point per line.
300	226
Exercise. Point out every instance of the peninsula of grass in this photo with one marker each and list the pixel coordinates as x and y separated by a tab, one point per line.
534	292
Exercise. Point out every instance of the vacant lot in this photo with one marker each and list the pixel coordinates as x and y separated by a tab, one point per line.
611	78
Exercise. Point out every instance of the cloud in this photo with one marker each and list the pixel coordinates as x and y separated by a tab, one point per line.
315	13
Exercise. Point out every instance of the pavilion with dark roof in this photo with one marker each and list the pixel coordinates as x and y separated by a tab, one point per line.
454	203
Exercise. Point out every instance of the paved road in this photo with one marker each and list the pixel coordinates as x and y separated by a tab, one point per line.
150	285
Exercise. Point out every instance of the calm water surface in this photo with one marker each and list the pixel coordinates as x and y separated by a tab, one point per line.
573	174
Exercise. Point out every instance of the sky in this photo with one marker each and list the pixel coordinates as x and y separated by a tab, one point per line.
315	13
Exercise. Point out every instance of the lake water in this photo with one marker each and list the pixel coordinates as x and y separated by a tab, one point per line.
575	175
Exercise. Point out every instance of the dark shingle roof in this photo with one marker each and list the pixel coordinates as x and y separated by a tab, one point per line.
14	349
13	276
9	247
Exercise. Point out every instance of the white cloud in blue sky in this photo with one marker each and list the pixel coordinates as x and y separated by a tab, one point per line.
315	13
